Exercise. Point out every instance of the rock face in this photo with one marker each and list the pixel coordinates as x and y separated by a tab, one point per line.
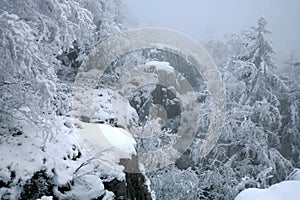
134	188
162	96
136	182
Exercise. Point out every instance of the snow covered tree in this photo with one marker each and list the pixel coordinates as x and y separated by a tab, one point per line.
42	44
248	153
258	49
290	135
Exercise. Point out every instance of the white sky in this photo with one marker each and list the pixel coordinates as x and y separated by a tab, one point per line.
212	19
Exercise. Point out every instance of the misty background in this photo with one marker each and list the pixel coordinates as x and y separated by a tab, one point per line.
204	20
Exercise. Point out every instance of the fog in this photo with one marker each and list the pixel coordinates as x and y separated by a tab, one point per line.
213	19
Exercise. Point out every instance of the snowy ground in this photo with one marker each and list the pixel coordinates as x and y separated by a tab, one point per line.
64	159
286	190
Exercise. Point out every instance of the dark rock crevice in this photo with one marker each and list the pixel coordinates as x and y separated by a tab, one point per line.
39	185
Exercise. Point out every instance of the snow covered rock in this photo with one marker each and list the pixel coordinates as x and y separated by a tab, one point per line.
107	143
116	147
46	198
281	191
